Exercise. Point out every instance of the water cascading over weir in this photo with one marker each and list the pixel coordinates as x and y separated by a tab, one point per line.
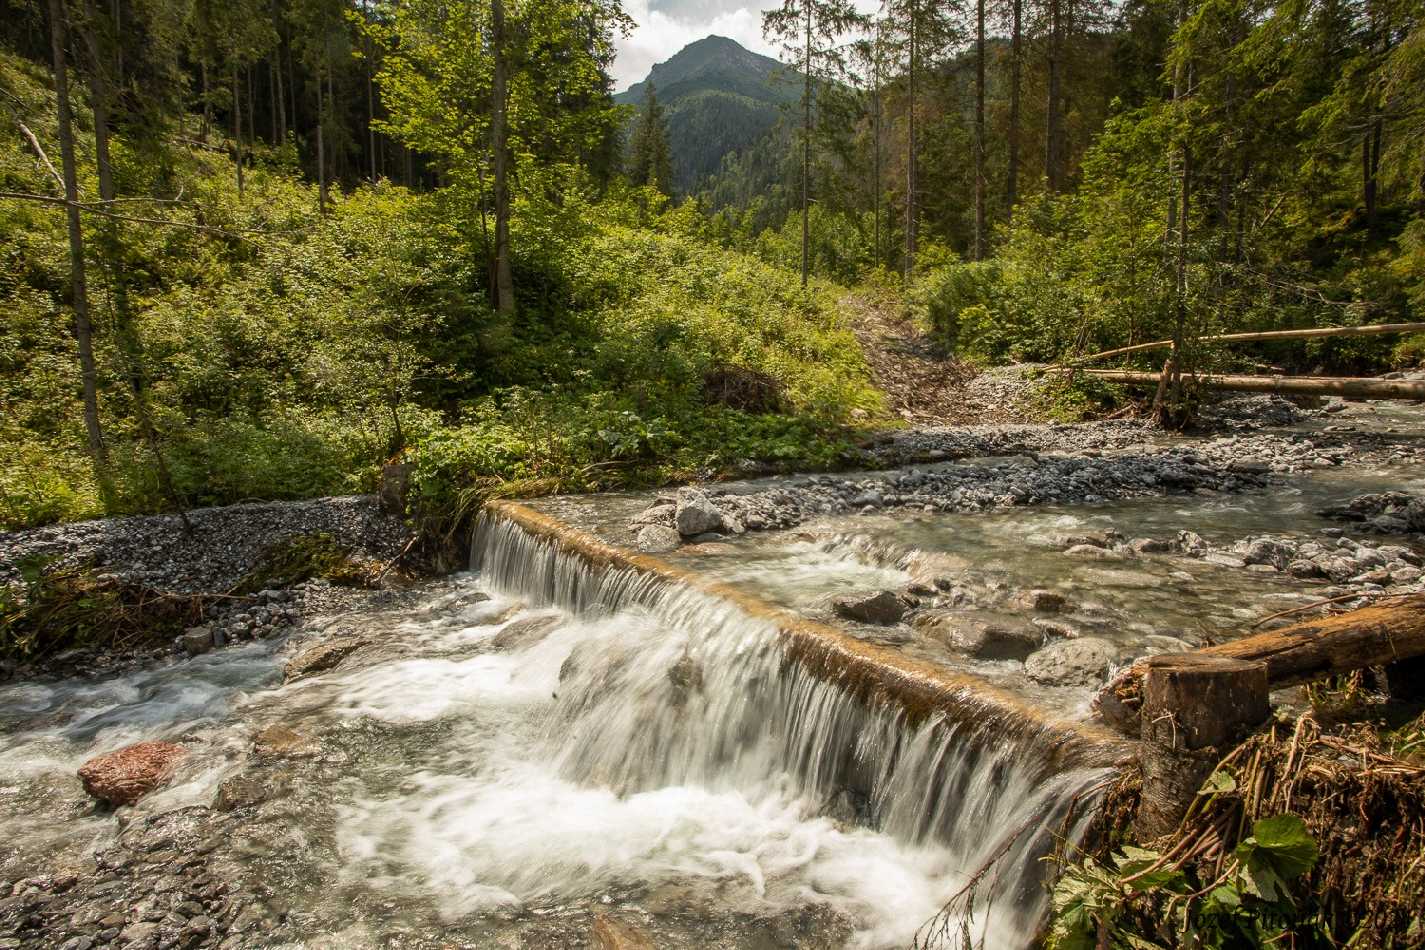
749	695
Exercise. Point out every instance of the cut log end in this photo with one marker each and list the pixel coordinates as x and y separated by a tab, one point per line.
1196	701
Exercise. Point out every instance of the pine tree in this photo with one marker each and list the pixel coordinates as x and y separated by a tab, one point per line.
649	160
810	31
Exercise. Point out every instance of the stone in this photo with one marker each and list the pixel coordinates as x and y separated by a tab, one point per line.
138	933
1044	601
1080	662
658	539
125	776
981	639
687	677
278	741
395	487
696	514
610	933
324	656
197	640
1192	543
660	513
1265	551
240	791
1149	546
1224	560
525	632
1092	552
883	608
1305	570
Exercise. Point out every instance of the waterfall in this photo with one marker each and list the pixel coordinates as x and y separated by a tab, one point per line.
712	689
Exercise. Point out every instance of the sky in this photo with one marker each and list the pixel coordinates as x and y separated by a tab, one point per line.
662	27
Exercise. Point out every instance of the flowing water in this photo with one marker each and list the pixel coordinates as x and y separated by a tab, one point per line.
541	740
526	745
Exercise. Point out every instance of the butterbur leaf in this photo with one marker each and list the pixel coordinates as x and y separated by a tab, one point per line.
1279	850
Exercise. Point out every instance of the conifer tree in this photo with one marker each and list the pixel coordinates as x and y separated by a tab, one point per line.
811	32
649	160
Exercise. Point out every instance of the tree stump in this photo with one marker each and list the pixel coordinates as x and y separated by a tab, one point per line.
1194	707
395	487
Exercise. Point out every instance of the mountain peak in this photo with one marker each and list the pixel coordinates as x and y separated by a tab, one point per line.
714	61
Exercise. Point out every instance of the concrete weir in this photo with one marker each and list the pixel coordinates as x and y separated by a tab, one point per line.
874	675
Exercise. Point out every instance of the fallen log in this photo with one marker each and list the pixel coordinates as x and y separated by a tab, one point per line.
1346	386
1367	330
1378	635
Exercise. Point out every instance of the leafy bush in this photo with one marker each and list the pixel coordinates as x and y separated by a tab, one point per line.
1144	897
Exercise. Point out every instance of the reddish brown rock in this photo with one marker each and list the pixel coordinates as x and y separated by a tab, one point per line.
125	776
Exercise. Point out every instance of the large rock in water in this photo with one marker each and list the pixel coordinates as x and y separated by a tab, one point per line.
125	776
884	608
657	539
1081	662
696	514
321	657
982	639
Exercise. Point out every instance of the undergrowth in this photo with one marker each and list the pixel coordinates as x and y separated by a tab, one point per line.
76	607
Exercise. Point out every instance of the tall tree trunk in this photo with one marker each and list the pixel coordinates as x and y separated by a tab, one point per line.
504	276
83	329
321	146
370	105
207	102
1016	60
237	130
876	146
251	109
910	210
272	101
806	146
279	95
126	335
1054	119
1370	146
295	122
980	236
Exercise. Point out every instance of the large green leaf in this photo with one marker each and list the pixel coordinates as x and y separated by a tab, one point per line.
1279	851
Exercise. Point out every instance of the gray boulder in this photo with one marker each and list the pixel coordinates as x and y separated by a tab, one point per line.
982	639
696	514
1081	662
323	656
884	608
658	539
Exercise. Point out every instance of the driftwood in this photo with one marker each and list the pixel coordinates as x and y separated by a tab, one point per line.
1367	330
1347	386
1379	635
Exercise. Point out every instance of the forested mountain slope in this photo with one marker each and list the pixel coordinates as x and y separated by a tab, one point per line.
719	99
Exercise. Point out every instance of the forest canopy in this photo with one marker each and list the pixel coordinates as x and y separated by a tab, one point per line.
256	250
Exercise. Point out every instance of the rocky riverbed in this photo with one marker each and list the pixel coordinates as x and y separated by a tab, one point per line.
322	749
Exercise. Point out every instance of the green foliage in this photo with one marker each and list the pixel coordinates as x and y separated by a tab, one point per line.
292	358
301	558
1147	901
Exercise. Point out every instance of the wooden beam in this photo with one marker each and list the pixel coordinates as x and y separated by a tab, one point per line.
1367	330
1346	386
1379	635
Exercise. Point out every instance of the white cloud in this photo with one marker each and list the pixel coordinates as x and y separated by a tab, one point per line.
662	27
